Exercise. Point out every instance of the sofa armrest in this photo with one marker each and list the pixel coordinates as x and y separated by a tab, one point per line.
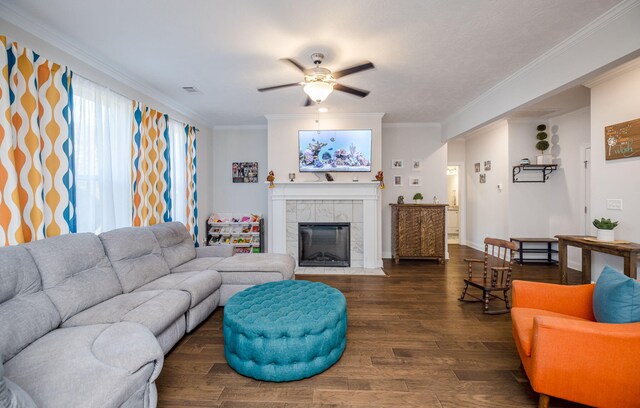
143	348
585	358
223	251
574	301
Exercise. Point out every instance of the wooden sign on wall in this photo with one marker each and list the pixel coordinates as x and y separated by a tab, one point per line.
622	140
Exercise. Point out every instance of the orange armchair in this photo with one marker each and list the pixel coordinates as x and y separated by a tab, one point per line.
567	354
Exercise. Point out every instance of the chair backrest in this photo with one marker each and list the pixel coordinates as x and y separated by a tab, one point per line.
498	253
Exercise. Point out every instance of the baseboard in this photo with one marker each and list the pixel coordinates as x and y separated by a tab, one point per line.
574	265
386	255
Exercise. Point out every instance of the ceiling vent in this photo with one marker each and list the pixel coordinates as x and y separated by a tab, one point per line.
191	89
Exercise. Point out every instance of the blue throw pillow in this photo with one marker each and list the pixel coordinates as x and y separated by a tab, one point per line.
616	298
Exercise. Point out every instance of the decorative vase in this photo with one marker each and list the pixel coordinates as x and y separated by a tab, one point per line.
544	159
417	201
605	235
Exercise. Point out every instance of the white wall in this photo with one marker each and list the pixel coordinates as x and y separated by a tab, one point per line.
409	142
282	141
613	100
487	206
239	144
93	73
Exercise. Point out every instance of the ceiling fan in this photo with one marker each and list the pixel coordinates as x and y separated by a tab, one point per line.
319	82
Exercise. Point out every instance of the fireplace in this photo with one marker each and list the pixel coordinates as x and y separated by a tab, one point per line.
324	244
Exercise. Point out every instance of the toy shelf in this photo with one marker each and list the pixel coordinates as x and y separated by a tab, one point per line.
244	232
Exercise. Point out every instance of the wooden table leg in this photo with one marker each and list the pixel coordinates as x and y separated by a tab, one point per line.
631	266
586	265
562	257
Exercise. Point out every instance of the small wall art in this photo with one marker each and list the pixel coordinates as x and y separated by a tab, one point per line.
244	172
622	140
415	181
487	165
477	167
483	178
397	181
415	165
397	164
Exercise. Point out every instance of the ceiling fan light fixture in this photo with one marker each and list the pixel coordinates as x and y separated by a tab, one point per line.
318	91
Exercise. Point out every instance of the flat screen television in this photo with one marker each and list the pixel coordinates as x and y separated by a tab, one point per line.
334	150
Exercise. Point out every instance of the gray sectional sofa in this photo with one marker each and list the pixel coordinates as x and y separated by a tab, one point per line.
85	320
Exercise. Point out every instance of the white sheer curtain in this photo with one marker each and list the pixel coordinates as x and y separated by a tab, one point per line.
102	126
178	152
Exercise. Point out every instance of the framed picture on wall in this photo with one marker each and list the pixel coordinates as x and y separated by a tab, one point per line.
244	172
477	167
415	165
483	178
397	181
487	165
415	181
397	164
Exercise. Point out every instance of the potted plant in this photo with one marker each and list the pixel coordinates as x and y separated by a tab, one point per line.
605	229
542	145
417	198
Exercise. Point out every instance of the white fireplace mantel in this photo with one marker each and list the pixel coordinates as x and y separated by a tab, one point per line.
368	192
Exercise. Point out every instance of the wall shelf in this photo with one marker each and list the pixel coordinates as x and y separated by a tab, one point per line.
544	169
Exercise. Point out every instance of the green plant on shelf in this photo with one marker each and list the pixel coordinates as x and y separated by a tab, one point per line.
417	196
605	224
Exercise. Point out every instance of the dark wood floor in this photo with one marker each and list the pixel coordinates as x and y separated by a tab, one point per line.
410	343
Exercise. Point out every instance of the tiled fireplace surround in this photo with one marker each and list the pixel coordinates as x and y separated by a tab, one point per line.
356	203
326	211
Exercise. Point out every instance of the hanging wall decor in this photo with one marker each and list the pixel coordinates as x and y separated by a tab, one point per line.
244	172
622	140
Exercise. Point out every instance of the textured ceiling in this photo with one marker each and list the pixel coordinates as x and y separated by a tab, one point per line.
432	56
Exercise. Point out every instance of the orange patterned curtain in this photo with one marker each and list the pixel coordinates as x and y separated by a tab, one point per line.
36	144
151	183
192	179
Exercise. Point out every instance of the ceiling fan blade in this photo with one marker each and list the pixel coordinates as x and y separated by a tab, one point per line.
353	70
270	88
353	91
308	102
294	63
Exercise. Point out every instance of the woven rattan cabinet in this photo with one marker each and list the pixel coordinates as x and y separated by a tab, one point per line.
418	231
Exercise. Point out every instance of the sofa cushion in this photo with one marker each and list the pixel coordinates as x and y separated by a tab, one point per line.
176	243
522	319
156	310
11	395
247	268
135	255
199	285
88	366
616	298
198	264
76	273
26	312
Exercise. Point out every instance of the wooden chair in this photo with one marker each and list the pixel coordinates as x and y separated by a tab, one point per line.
496	273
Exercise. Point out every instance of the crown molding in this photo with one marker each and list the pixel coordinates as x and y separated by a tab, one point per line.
314	116
405	125
626	7
69	46
612	73
240	127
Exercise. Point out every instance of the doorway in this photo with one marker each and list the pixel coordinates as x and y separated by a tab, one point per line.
454	176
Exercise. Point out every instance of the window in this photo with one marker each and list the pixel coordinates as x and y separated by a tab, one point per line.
102	142
178	157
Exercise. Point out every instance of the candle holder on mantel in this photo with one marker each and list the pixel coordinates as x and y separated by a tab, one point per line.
292	176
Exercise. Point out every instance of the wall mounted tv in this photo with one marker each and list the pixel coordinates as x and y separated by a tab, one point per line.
334	150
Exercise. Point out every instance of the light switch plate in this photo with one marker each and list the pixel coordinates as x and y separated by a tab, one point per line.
614	204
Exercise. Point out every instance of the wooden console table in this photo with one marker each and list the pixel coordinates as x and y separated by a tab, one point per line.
629	252
418	231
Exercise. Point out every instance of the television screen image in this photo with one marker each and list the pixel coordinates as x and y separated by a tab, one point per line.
334	150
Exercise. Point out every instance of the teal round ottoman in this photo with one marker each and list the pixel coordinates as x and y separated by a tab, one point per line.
285	330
